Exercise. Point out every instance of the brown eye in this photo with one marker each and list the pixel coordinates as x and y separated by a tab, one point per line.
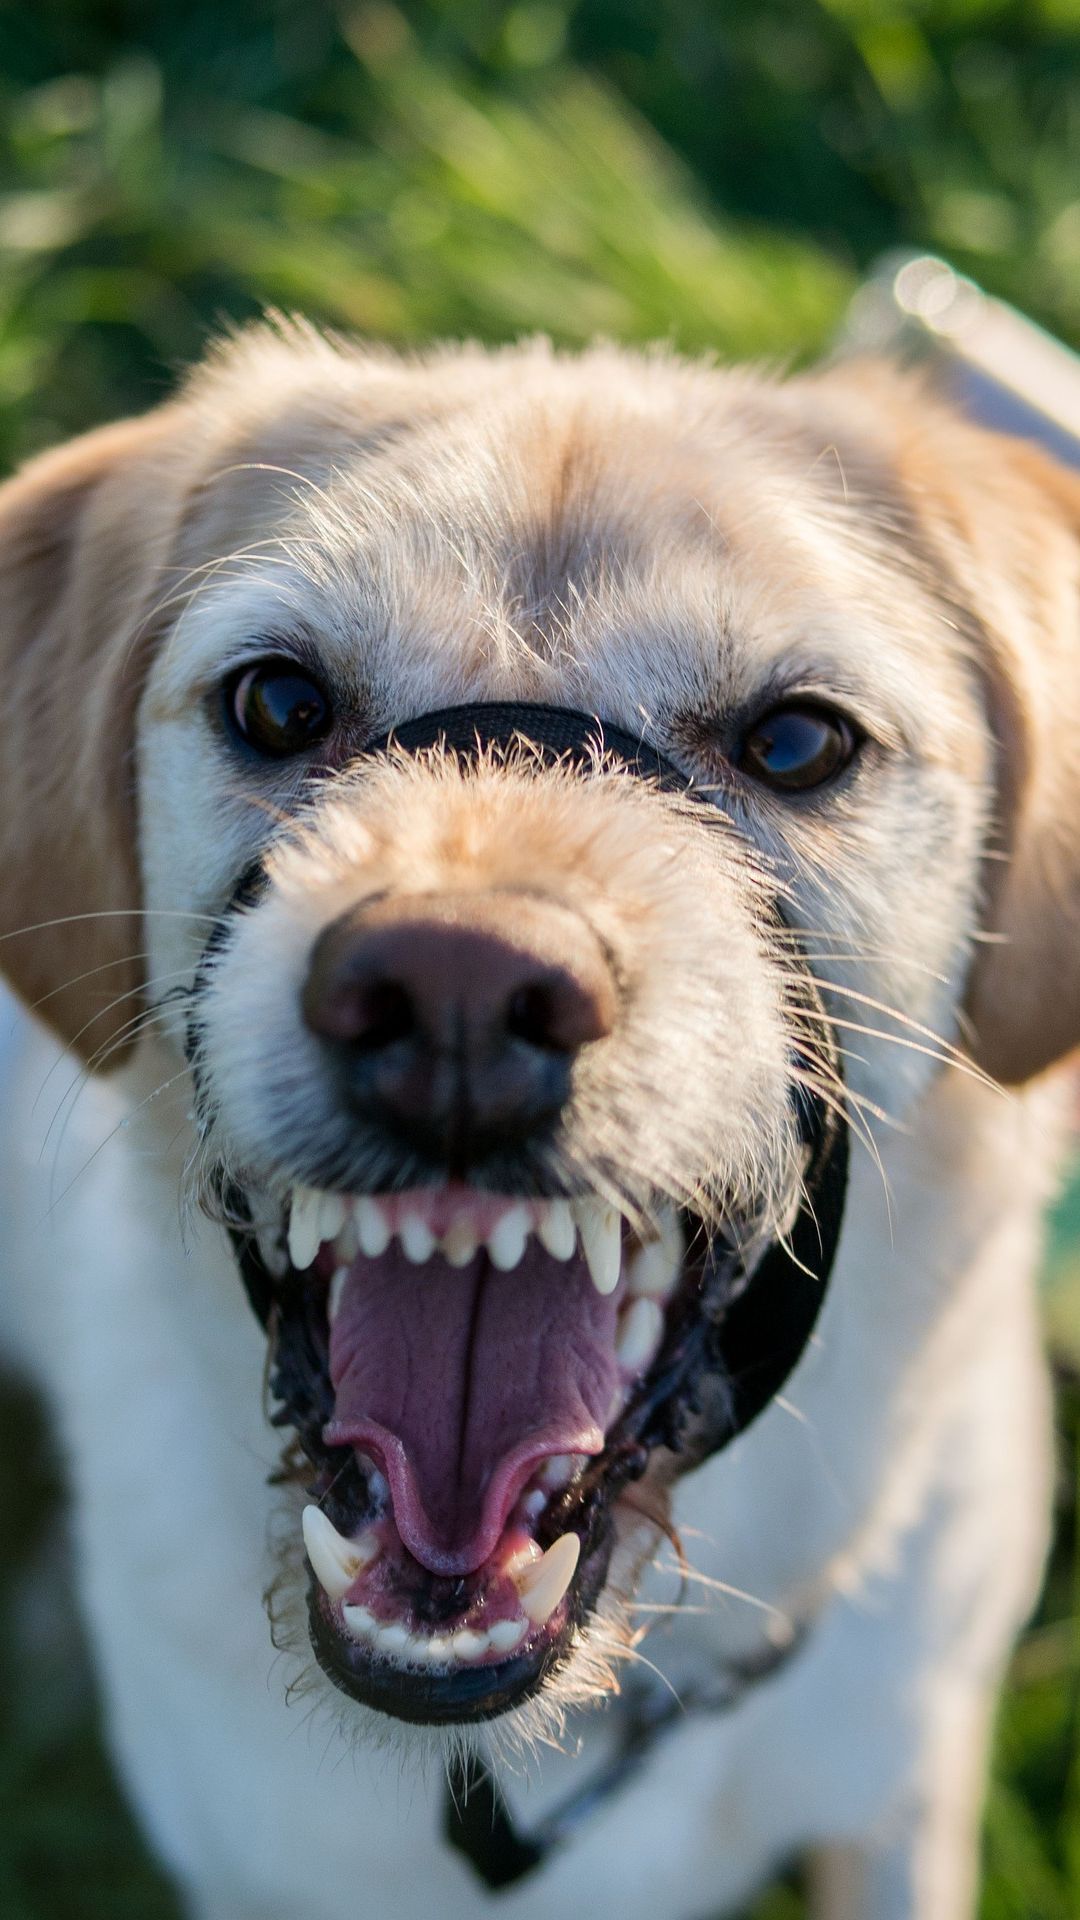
797	746
277	708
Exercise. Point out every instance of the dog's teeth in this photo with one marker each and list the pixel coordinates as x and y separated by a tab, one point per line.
459	1242
601	1242
506	1241
555	1229
559	1469
393	1639
417	1239
542	1586
333	1298
372	1227
506	1635
467	1645
271	1252
347	1242
333	1213
641	1329
655	1268
336	1561
304	1218
361	1622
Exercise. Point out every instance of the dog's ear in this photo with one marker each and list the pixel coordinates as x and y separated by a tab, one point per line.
85	534
995	525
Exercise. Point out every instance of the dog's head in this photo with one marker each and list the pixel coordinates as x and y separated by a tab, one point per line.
499	1054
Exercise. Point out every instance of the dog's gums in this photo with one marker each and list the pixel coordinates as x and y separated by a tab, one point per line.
463	1369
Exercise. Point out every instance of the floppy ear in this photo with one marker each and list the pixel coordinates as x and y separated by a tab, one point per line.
999	523
84	534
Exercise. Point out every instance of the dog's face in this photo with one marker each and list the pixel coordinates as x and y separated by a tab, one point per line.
492	1054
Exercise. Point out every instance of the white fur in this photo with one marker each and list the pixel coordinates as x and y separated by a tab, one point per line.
894	1498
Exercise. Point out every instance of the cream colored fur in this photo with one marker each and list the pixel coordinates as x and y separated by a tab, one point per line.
669	546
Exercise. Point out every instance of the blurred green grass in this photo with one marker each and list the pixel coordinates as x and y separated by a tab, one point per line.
719	177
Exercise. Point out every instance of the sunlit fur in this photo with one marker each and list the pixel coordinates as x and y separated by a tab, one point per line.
675	547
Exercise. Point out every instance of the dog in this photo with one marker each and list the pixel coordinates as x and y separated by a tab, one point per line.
558	883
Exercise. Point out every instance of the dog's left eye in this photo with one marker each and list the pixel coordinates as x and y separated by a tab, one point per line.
277	708
797	745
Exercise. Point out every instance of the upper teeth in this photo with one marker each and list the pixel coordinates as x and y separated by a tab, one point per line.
367	1224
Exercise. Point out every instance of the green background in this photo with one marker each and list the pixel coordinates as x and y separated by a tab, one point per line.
717	175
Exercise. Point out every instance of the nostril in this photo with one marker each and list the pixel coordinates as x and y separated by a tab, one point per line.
532	1016
385	1013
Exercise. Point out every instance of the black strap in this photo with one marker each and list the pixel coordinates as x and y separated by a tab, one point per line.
478	1823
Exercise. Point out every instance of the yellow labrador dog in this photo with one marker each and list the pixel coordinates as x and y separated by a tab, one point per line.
560	882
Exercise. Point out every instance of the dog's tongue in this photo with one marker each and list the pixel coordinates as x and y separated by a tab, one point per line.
459	1381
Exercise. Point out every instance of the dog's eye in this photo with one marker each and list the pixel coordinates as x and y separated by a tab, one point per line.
796	746
277	708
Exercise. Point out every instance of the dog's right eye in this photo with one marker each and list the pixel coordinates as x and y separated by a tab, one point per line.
277	708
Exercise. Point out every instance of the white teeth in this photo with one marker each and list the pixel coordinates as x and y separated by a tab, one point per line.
333	1213
417	1239
459	1242
655	1268
641	1329
333	1298
271	1252
555	1229
506	1241
601	1242
361	1622
304	1217
468	1645
372	1228
559	1469
393	1639
543	1585
336	1561
506	1635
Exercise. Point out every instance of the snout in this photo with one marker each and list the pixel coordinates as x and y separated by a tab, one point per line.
453	1021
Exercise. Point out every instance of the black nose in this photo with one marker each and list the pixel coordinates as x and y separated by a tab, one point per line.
454	1020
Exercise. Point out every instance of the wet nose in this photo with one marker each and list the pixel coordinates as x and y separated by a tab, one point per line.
454	1021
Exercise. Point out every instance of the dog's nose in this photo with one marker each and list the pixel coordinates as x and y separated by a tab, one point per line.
455	1020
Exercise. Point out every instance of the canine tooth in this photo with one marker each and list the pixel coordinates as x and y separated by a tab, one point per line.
333	1298
654	1268
543	1586
506	1635
468	1645
506	1241
601	1242
372	1227
459	1242
555	1229
304	1225
417	1239
361	1622
336	1561
641	1328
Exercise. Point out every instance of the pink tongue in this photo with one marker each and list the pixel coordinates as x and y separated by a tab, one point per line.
460	1381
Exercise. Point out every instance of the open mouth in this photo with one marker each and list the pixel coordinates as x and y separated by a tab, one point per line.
474	1379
